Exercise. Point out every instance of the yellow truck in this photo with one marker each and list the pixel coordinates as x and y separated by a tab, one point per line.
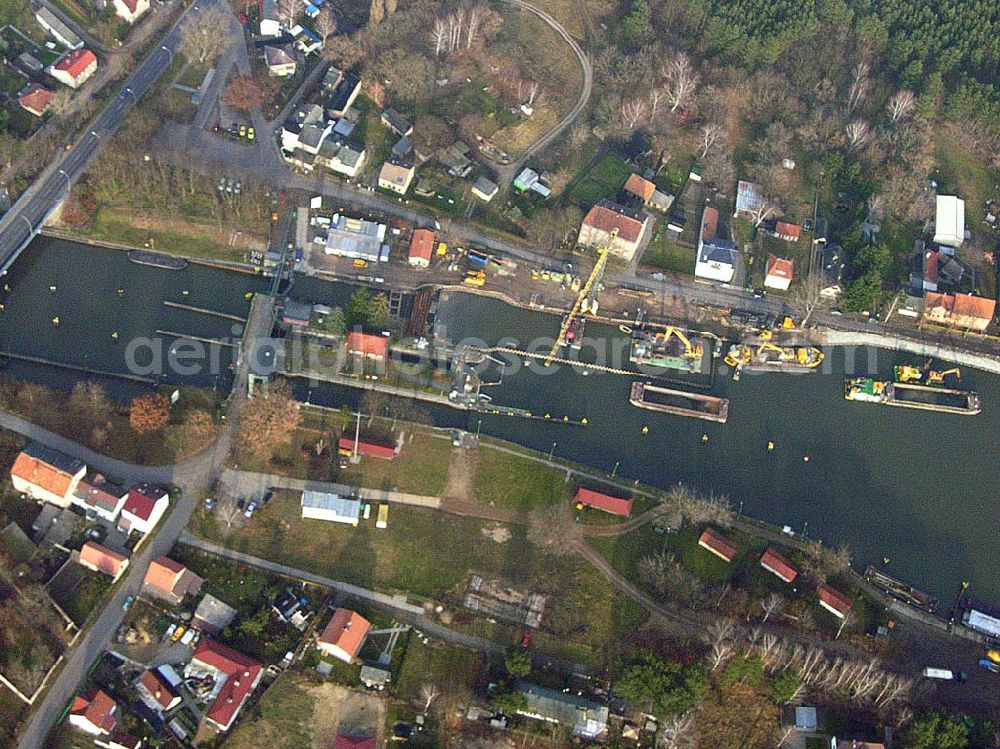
383	516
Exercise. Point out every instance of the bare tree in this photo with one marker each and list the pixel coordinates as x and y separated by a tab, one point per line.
764	209
439	37
678	732
785	735
772	605
860	85
858	134
656	96
531	89
227	510
681	81
473	18
809	294
653	570
428	693
901	105
876	208
632	113
848	620
288	9
719	637
711	134
326	23
203	34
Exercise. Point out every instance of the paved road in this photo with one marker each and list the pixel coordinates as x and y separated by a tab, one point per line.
20	224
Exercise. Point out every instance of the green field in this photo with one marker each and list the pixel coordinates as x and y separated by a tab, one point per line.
603	180
665	253
281	720
515	482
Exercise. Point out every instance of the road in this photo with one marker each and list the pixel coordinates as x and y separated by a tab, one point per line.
20	224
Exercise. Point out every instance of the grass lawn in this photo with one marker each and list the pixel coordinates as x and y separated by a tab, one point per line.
664	252
187	239
436	663
283	718
77	591
603	180
420	468
515	482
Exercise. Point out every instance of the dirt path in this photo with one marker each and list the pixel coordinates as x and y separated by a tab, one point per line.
461	470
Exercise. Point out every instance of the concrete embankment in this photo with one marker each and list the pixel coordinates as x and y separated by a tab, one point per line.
926	349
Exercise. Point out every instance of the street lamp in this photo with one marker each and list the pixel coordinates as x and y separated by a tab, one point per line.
479	426
552	451
615	469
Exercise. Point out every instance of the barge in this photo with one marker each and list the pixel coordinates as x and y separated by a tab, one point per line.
679	402
670	348
574	333
900	590
769	357
157	260
907	395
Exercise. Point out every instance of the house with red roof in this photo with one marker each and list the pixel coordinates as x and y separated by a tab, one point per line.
959	311
99	498
604	502
130	10
718	544
235	676
94	712
776	564
170	581
344	636
787	231
46	475
35	99
156	692
834	601
641	188
607	217
143	508
74	68
367	346
779	273
421	247
346	445
99	558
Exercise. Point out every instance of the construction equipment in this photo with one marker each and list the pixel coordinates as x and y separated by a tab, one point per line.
908	373
691	351
937	377
475	278
603	253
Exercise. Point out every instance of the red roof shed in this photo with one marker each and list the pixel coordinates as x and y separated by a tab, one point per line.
722	547
775	563
605	502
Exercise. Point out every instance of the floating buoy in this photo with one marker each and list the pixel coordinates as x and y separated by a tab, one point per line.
55	320
248	295
115	335
52	289
548	416
805	458
2	307
121	292
185	292
770	446
6	287
645	430
885	560
565	418
704	438
583	420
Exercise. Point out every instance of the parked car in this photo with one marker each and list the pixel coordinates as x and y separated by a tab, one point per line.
243	131
250	133
240	503
188	637
267	497
178	633
128	603
94	533
250	509
209	503
170	632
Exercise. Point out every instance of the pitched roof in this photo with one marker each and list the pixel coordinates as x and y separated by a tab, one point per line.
101	557
158	687
131	5
641	187
979	307
97	707
371	449
422	244
76	62
834	598
605	502
163	573
98	493
346	630
46	468
931	266
395	172
748	197
774	562
780	267
142	499
717	544
35	98
709	223
241	672
784	229
367	345
354	742
607	215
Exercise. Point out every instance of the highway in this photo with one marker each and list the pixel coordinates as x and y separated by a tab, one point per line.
21	223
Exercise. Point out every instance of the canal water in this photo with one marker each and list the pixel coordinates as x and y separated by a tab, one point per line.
916	487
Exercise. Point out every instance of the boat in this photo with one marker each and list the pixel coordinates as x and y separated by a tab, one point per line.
157	259
907	373
771	357
679	402
574	333
669	348
900	590
943	400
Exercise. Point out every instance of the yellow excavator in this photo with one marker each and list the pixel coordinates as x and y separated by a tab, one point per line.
909	373
691	350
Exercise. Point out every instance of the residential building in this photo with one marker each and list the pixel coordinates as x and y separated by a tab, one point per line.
94	712
455	158
779	273
604	502
604	218
718	544
118	740
367	345
170	581
343	95
310	114
777	564
661	201
236	676
788	232
949	221
212	615
348	445
292	609
330	507
834	601
749	199
99	498
925	268
402	149
130	10
296	314
356	238
279	60
312	136
59	31
99	558
46	475
641	188
716	258
959	311
396	176
143	508
35	99
585	718
74	68
156	692
340	157
375	677
308	41
421	248
396	122
29	61
484	189
270	23
529	179
344	635
831	271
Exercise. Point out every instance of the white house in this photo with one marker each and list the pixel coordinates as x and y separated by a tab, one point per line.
779	273
94	712
74	68
143	508
130	10
59	31
331	507
716	259
395	176
949	222
344	636
269	23
46	475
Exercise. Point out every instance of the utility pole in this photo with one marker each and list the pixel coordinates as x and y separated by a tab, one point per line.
357	437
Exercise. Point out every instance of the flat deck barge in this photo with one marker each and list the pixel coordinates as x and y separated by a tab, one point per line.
900	590
679	402
907	395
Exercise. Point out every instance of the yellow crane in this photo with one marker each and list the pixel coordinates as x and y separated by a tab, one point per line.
603	253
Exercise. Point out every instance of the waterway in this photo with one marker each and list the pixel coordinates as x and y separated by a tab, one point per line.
918	488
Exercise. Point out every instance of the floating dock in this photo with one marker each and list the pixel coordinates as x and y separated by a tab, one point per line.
943	400
679	402
157	260
900	590
670	348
